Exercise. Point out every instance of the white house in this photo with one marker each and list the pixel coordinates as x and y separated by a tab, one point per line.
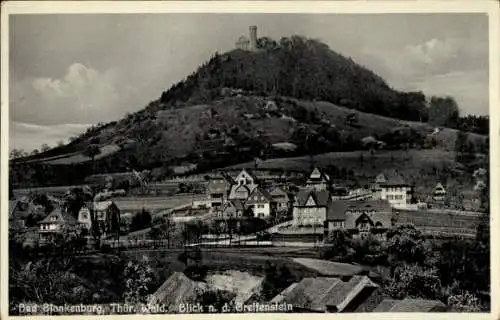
55	223
395	190
260	203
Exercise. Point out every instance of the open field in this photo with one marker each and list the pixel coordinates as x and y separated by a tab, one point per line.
443	221
153	203
411	160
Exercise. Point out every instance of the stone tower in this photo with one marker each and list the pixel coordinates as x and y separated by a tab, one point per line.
253	38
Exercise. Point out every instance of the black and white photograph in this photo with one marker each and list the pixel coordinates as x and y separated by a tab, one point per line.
248	162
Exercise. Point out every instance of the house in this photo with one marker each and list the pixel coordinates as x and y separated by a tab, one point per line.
106	215
310	207
439	193
84	218
411	305
318	180
245	178
327	295
243	187
259	201
176	290
359	217
232	209
217	191
55	223
393	189
280	199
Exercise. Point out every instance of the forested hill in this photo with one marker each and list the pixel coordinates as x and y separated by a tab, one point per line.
296	94
302	68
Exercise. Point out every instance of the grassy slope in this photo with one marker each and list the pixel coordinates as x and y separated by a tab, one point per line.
179	129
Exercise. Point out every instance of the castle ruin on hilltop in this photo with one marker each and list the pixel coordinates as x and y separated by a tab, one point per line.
247	44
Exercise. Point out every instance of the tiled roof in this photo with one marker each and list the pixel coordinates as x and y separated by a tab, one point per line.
410	305
318	175
236	189
317	294
62	217
386	305
320	197
177	289
382	210
259	193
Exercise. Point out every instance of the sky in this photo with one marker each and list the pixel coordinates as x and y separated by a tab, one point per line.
70	71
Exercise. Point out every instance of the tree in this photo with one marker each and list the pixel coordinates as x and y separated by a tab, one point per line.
141	220
443	112
464	302
414	281
92	151
44	147
407	244
16	153
339	246
216	299
138	277
275	280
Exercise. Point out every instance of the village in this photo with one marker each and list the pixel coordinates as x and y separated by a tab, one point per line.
255	210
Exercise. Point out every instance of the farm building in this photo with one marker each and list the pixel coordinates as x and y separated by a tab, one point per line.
324	294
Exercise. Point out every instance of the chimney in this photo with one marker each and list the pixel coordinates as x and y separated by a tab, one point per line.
253	38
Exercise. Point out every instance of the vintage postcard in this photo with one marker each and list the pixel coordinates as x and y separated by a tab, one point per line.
230	158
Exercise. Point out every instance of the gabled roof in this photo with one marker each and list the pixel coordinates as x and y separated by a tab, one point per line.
261	194
410	305
376	210
61	217
392	178
322	197
439	186
380	178
177	289
247	173
278	192
235	204
345	292
319	293
318	175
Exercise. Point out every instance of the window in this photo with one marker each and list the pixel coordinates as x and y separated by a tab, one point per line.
260	206
255	198
53	218
85	216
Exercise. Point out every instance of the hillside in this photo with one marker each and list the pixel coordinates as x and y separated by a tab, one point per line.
238	104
